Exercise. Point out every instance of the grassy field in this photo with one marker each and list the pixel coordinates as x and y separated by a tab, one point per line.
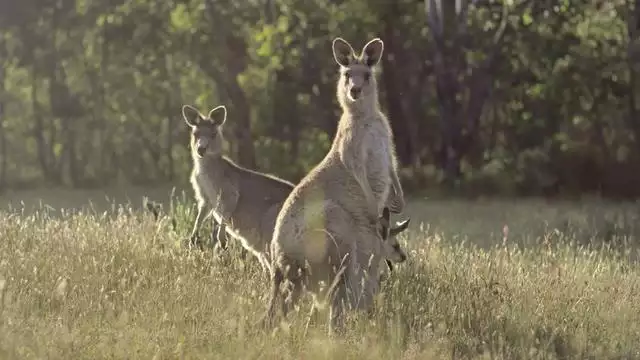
523	279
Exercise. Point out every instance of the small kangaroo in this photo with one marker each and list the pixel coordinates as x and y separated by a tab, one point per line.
395	253
389	235
327	230
244	202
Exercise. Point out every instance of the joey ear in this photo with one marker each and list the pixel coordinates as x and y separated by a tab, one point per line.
372	52
191	115
384	222
384	218
342	52
400	227
389	264
218	115
386	214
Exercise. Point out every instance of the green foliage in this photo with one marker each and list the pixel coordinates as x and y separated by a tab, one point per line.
91	92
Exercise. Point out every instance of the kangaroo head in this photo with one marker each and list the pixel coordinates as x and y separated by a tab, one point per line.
206	134
357	80
391	247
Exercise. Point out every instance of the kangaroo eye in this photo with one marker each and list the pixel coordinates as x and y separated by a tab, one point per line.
347	75
367	76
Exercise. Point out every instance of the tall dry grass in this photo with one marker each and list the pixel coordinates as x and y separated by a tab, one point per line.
118	285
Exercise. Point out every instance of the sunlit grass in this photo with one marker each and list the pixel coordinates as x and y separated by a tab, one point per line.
94	285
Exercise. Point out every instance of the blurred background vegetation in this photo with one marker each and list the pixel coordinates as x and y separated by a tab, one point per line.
511	97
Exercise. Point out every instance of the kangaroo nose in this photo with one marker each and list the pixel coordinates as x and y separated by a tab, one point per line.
355	92
201	150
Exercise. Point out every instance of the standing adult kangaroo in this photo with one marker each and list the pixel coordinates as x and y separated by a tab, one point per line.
327	230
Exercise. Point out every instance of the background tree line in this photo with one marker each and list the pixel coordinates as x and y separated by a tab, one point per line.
487	96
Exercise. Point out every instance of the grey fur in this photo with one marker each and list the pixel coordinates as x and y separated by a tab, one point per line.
244	202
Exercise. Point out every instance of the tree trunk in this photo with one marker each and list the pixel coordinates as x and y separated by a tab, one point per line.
460	115
242	117
44	148
447	90
393	89
237	62
322	112
3	139
106	150
234	58
65	108
170	115
633	60
286	111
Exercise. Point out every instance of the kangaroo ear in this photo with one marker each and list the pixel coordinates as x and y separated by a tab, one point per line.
342	52
386	214
400	227
384	223
218	115
389	264
372	52
191	115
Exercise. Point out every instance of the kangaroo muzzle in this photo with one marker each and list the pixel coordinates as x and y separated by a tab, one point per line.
354	93
201	147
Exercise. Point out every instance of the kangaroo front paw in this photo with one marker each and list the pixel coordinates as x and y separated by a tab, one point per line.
191	240
194	241
397	205
222	241
243	254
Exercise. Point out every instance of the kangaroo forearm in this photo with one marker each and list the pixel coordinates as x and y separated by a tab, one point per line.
395	201
199	218
395	182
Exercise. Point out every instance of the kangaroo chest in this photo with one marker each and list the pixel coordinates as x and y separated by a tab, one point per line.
243	225
210	188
